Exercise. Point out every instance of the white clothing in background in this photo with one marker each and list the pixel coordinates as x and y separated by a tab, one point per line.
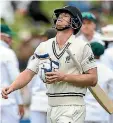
38	117
9	114
107	58
39	100
96	38
94	112
8	72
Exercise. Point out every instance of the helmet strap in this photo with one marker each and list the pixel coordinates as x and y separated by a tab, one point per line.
64	28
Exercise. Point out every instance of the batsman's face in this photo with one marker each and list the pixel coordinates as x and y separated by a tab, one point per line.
63	20
88	27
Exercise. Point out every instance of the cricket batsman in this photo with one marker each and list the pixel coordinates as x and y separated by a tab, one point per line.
65	83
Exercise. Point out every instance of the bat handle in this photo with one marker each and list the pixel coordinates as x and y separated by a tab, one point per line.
78	66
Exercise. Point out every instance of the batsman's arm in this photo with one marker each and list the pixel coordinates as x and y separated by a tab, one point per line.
87	79
23	79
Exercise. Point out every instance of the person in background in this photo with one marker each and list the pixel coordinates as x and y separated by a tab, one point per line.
94	112
88	29
107	57
37	89
39	101
12	109
107	35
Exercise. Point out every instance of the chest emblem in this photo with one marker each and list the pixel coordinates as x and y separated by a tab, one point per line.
67	59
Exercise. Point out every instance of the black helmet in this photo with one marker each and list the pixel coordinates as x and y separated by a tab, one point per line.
76	20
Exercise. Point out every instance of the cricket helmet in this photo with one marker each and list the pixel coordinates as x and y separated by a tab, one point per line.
76	17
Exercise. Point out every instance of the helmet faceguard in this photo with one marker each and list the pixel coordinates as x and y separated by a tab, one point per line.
76	18
55	17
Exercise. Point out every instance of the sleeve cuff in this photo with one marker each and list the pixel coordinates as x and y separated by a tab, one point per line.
88	67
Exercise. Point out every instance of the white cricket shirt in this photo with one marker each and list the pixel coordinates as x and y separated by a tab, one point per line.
64	91
8	72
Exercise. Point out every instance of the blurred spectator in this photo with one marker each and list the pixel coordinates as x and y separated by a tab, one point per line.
12	108
107	35
25	50
88	32
94	112
107	57
39	100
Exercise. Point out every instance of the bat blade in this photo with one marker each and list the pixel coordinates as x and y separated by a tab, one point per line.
102	98
96	91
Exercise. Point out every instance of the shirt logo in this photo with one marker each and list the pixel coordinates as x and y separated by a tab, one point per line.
91	58
33	57
67	59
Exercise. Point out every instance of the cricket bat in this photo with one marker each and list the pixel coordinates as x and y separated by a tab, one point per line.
96	91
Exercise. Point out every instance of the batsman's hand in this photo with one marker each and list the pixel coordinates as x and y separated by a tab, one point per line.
56	76
6	91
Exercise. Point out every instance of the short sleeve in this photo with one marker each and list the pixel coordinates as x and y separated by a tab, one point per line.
88	61
33	63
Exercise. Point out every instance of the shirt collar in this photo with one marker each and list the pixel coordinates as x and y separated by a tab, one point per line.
3	43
